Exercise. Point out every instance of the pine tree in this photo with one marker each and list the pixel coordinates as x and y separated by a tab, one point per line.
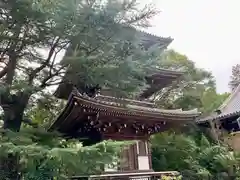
35	33
44	155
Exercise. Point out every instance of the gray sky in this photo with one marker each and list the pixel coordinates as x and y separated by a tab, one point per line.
207	31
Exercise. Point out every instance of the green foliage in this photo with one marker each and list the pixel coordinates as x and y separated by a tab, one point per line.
211	100
193	158
99	39
107	51
186	92
97	33
195	90
44	110
44	154
191	152
33	33
100	49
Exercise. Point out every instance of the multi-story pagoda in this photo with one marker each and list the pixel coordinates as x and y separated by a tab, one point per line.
102	117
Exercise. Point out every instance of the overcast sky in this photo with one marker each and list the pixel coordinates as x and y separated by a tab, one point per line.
207	31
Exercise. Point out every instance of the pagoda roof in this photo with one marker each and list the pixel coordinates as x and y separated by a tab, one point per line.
149	39
158	80
112	110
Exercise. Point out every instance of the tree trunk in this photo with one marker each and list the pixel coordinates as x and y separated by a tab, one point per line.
13	116
13	108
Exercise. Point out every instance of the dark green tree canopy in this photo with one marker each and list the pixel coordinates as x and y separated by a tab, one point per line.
33	33
193	90
98	37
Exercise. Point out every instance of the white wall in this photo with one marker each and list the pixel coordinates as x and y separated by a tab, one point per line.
143	163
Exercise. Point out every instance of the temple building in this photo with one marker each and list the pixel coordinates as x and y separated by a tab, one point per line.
102	117
225	122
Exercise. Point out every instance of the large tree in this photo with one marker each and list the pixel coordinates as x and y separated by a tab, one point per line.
192	90
211	100
190	151
33	33
33	36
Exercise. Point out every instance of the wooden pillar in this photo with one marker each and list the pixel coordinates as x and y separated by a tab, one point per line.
149	154
143	155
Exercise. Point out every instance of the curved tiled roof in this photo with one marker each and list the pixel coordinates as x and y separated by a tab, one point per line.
219	117
149	40
80	110
126	100
129	109
167	39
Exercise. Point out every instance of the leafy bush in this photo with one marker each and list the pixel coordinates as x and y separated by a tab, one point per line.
43	155
194	159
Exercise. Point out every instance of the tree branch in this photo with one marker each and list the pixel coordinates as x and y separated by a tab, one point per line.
52	75
44	64
11	67
63	46
55	83
4	71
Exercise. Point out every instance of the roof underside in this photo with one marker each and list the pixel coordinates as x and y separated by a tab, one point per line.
159	80
118	119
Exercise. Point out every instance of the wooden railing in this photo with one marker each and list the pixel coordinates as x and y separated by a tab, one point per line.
129	176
